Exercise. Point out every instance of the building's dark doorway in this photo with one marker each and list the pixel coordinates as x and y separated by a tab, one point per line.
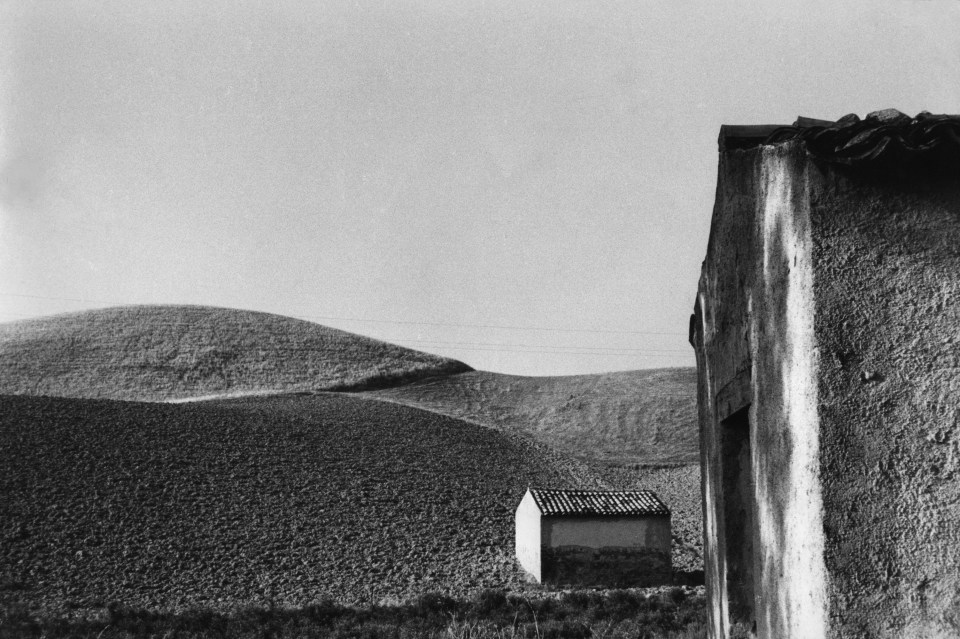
738	515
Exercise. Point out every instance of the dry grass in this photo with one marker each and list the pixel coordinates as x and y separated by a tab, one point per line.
492	614
153	353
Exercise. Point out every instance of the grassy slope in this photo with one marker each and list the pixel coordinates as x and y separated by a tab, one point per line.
636	417
236	502
167	352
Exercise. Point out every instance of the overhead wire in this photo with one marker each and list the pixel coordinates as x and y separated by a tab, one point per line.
378	321
542	349
580	348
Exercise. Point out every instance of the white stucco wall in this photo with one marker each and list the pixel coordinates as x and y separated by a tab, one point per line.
790	571
528	536
608	532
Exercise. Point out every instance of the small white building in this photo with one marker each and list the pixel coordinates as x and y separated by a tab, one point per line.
594	537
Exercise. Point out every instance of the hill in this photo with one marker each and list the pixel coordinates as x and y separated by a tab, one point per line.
618	430
646	417
226	503
153	353
636	429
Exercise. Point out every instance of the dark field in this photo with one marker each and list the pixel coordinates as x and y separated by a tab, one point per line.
249	502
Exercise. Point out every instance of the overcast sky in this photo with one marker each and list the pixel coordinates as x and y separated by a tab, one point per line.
525	186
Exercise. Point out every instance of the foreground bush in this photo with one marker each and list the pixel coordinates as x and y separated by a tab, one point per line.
671	614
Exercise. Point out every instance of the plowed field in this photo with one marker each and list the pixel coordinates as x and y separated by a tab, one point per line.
286	500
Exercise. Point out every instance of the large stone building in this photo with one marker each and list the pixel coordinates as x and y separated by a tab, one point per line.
827	335
594	537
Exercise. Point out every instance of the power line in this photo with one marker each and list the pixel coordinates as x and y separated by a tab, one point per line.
506	348
397	322
581	348
509	350
496	326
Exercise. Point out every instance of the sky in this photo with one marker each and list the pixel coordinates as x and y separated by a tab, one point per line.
525	186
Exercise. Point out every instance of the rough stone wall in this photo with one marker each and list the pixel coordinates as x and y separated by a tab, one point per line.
886	255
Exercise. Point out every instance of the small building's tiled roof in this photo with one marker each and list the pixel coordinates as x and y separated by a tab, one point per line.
598	502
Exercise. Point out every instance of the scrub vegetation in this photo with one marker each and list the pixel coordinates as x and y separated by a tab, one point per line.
673	613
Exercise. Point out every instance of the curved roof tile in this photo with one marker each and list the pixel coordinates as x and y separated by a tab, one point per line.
598	502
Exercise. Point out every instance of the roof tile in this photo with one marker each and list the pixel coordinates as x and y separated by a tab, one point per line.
598	502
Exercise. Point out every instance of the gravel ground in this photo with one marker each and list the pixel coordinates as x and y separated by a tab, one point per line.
284	500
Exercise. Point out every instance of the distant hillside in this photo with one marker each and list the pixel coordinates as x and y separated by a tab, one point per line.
176	352
273	499
645	416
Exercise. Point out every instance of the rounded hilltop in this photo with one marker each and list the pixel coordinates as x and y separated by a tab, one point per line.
154	353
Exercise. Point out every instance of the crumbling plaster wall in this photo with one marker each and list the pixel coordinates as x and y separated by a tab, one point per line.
754	341
723	359
886	254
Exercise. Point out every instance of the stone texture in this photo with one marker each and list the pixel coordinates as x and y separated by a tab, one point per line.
826	331
887	256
